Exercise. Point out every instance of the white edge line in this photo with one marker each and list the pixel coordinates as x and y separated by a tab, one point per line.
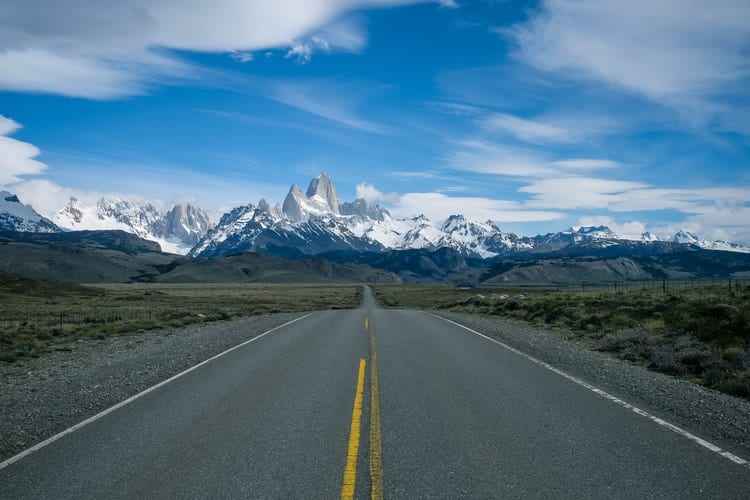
706	444
89	420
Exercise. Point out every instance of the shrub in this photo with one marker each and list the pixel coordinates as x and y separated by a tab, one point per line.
738	384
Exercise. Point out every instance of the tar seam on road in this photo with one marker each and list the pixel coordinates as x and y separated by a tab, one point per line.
376	453
350	469
96	417
706	444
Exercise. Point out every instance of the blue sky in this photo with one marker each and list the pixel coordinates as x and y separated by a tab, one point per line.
536	115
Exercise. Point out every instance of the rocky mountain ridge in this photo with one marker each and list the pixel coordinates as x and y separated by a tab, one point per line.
176	231
314	222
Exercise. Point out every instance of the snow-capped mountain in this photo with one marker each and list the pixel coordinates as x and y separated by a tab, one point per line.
176	231
321	199
15	216
688	238
314	222
185	222
265	229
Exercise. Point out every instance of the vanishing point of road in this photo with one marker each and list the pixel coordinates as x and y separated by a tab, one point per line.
374	403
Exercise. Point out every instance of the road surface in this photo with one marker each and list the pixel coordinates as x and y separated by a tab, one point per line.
374	403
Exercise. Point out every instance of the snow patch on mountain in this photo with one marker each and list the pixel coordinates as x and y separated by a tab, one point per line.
176	231
320	199
689	238
15	216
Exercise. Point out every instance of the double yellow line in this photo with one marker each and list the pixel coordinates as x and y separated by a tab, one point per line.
348	486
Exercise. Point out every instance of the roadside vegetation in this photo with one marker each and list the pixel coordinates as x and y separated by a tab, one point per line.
38	316
701	333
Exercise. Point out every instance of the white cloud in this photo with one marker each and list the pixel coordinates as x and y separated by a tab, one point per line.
242	56
449	4
341	36
659	49
735	231
577	192
300	52
105	49
438	206
526	130
216	194
39	70
630	229
48	198
568	127
585	164
717	212
370	193
496	159
17	158
8	125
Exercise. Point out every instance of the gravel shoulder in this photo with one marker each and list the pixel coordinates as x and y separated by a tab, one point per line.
719	418
43	396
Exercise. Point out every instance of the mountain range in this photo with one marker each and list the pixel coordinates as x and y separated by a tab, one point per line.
315	222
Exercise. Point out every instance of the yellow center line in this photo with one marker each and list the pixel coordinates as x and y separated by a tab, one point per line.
350	470
376	454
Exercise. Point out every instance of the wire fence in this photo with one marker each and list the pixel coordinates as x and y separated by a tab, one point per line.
664	285
65	321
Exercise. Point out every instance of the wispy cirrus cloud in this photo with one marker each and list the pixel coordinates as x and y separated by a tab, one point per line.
485	157
329	99
562	128
439	206
577	192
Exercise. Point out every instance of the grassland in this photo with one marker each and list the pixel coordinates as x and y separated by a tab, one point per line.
701	333
38	316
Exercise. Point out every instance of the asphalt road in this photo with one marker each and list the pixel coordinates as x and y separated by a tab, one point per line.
442	413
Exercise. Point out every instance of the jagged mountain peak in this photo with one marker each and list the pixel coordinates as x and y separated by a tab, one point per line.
683	236
175	230
320	199
322	188
359	207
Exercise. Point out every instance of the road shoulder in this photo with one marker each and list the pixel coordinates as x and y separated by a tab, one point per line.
40	397
709	414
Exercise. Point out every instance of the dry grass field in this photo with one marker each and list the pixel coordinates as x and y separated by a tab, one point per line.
37	316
